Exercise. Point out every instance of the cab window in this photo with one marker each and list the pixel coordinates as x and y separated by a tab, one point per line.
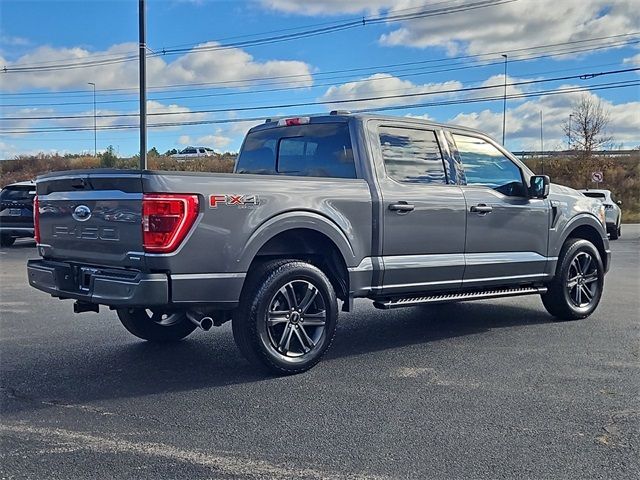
487	166
412	155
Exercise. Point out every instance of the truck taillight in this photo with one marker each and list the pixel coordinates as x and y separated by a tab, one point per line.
166	220
36	219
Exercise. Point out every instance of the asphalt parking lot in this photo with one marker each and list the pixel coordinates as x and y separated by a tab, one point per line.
490	389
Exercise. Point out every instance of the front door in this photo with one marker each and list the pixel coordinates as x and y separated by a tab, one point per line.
507	232
424	214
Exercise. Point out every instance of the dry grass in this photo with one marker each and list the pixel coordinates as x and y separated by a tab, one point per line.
621	176
29	167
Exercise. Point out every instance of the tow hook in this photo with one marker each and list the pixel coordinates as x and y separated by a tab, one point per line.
81	307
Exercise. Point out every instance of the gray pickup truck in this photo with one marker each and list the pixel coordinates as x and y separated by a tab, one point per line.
319	209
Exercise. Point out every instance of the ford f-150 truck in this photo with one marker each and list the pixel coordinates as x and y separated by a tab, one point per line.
319	210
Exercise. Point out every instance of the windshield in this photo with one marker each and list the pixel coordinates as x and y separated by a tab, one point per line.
600	196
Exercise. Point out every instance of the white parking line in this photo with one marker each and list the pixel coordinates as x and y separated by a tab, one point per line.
225	464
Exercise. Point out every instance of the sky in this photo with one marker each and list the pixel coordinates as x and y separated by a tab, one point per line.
216	68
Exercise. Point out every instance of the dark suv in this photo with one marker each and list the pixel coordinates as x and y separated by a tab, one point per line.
16	212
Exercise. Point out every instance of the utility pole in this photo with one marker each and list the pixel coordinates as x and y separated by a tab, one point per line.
143	86
95	130
570	117
504	102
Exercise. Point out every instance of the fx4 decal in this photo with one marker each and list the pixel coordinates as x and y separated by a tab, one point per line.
233	200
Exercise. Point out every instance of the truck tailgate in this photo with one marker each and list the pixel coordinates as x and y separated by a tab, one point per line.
92	217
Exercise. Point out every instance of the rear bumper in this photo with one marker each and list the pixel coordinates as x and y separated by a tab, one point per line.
104	286
16	231
120	287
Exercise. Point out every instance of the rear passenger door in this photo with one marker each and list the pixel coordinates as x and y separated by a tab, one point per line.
423	211
507	232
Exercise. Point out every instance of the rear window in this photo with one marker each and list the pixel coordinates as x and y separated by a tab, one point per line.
313	150
18	193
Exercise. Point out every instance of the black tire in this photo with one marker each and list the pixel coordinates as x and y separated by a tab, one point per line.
280	317
6	241
565	293
156	326
614	233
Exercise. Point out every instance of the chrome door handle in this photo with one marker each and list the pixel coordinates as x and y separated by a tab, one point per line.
481	208
401	207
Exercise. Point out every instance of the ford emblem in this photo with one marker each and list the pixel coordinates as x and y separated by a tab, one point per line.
81	213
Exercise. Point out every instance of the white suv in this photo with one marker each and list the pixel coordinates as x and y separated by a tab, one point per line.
193	152
612	211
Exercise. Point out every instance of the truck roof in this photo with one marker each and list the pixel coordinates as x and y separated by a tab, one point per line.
340	115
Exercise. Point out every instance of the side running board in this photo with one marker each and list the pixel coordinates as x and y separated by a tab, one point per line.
457	297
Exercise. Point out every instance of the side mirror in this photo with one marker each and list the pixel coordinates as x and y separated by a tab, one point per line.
539	186
619	202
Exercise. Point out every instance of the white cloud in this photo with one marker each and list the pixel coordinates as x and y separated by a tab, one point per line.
14	41
497	28
519	25
382	84
523	121
228	65
184	140
215	140
105	118
633	61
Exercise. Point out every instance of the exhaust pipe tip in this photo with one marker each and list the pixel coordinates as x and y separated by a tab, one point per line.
206	323
202	321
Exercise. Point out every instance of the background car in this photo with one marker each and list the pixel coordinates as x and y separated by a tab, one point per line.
611	209
16	212
193	152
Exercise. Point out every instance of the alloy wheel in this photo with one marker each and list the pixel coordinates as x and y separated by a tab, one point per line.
296	319
582	281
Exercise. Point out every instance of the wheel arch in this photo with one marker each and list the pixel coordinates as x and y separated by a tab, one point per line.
589	229
304	236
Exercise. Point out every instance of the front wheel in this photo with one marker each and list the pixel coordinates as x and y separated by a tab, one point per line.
287	318
614	233
156	325
576	289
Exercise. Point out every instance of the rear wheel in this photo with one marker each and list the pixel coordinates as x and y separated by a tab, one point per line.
287	316
614	232
6	240
155	325
576	289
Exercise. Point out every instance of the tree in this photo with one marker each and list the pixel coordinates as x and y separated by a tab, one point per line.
587	125
153	152
108	157
173	151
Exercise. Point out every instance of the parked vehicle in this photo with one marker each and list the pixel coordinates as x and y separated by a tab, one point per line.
319	210
612	211
193	152
16	212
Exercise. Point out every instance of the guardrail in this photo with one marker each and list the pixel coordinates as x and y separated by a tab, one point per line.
575	153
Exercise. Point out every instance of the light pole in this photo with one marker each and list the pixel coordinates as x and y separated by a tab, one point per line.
570	117
504	101
541	143
95	131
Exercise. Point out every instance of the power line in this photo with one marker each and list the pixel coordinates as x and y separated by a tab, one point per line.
268	40
243	82
414	72
564	90
583	76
